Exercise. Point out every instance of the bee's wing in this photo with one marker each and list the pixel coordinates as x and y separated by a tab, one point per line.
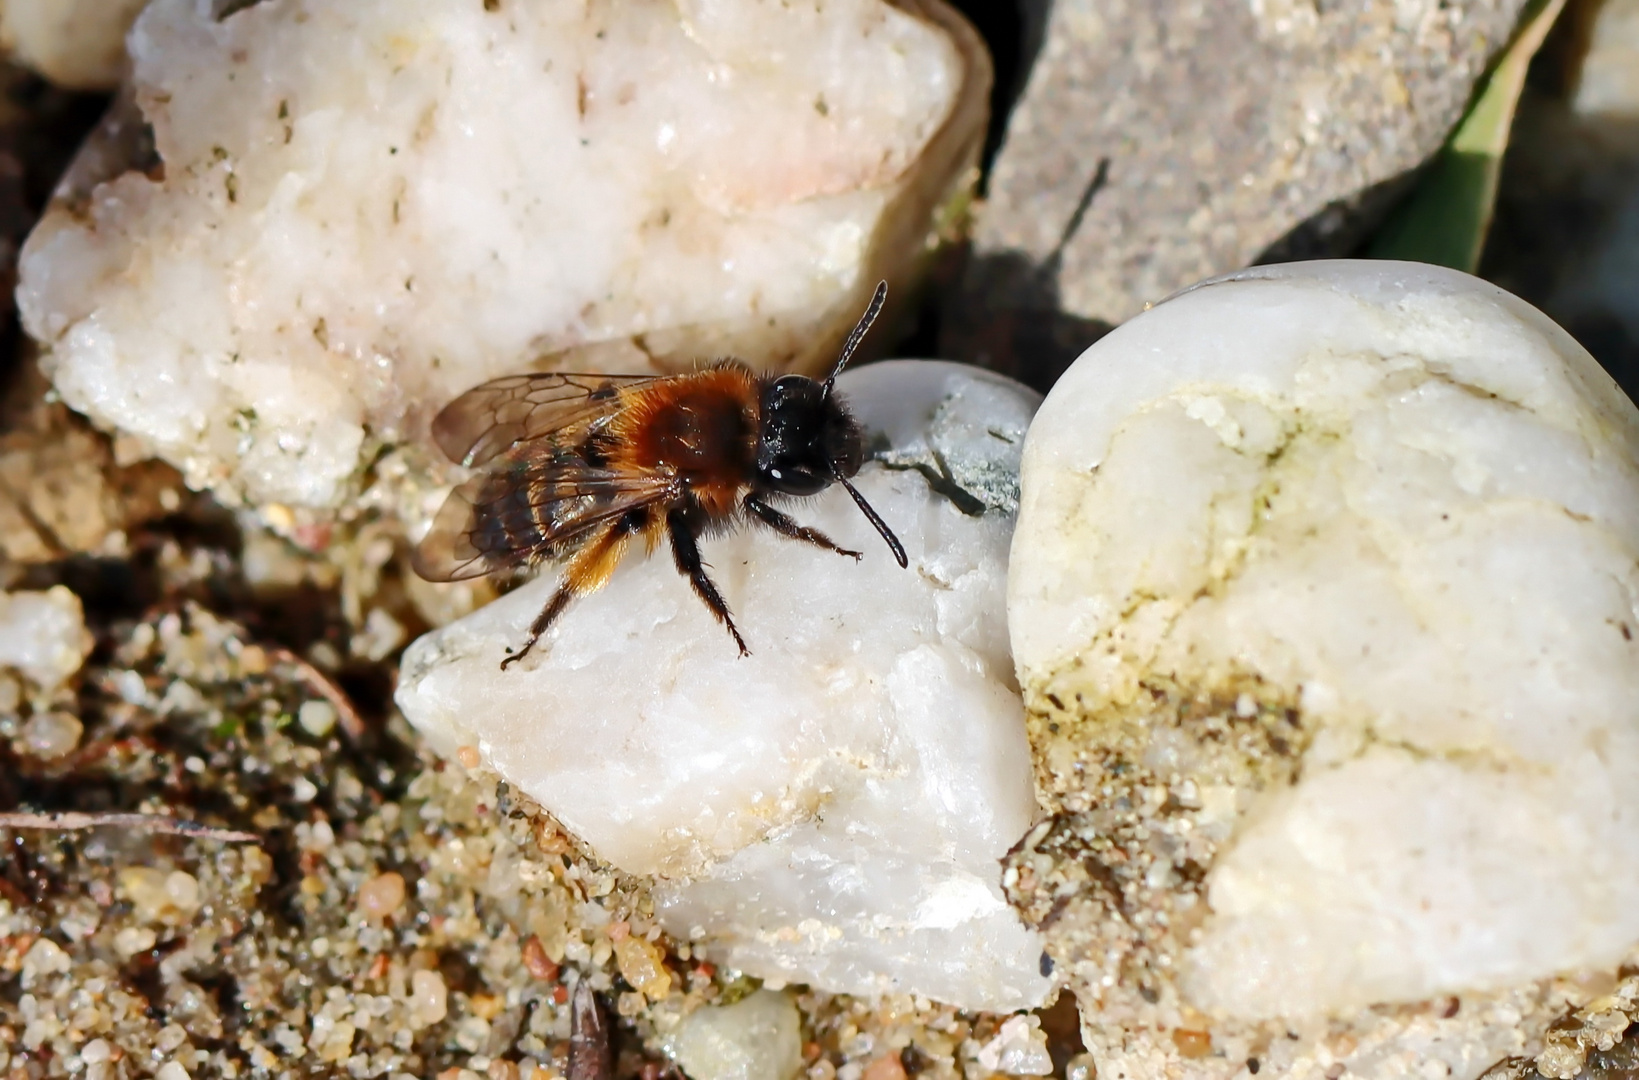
486	420
519	511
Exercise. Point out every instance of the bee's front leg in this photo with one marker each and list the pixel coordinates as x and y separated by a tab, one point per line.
786	526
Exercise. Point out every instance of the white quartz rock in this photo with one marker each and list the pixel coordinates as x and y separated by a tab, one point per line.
1406	505
832	809
364	207
78	44
43	635
756	1038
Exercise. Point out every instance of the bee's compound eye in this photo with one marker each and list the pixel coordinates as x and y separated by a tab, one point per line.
794	390
795	481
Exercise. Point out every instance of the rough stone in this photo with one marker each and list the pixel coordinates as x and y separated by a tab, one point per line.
349	212
831	809
1324	599
1158	143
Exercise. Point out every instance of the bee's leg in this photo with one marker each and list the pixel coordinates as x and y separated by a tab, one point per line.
785	526
687	554
549	614
586	573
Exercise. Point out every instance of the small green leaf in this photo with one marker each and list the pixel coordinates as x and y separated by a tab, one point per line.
1446	218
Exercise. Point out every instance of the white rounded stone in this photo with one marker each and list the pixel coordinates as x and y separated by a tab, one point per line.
832	808
1406	504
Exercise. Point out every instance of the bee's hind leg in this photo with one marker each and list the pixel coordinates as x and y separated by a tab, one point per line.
549	614
687	555
587	571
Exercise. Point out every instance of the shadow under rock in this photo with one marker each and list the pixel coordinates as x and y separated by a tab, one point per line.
1008	314
1566	223
1014	31
1342	228
1010	321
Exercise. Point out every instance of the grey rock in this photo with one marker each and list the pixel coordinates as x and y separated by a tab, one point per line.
1158	142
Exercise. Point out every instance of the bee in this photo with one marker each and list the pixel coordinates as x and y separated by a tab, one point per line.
573	467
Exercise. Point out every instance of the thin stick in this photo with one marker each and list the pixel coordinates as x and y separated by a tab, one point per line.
73	821
352	725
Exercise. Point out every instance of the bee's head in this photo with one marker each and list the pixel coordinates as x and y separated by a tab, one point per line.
807	440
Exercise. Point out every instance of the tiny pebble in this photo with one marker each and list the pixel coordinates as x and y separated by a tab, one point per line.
172	1070
644	966
316	718
182	888
339	1043
52	735
472	1033
539	964
95	1051
886	1067
44	957
1192	1043
303	790
468	757
502	1070
381	895
323	655
253	660
429	998
132	940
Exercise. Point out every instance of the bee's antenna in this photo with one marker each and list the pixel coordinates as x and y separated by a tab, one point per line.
860	330
894	545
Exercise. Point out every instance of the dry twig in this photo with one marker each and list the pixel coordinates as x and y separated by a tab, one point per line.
352	725
73	821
